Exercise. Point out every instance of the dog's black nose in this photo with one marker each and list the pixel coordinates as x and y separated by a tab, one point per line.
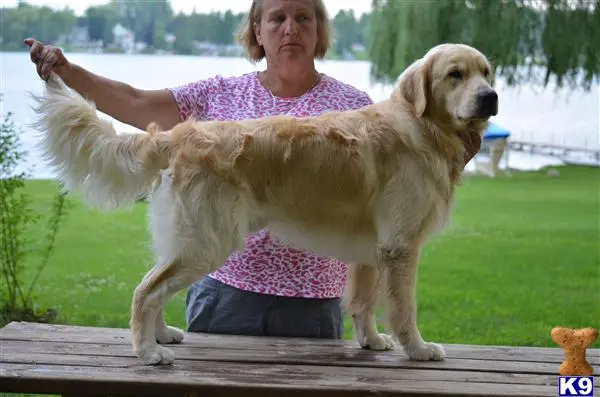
488	103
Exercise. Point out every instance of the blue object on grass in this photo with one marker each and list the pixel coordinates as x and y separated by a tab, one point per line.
494	131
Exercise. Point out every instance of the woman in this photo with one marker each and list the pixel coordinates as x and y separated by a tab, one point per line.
269	288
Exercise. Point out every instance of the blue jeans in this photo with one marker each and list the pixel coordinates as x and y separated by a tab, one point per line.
215	307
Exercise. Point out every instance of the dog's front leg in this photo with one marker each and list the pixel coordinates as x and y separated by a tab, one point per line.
363	293
400	261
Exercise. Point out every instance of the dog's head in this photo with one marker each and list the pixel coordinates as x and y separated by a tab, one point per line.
452	84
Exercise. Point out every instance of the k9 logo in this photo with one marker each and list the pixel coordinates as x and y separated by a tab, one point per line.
575	386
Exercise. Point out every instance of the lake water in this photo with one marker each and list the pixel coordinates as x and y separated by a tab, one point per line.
533	114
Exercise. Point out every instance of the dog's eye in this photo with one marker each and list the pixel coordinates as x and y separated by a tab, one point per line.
455	74
486	73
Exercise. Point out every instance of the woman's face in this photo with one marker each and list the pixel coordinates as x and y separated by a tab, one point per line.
288	30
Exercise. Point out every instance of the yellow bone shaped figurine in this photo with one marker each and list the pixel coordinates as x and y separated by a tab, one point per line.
574	342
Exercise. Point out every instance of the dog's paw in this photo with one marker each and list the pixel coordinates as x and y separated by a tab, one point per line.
425	352
378	342
167	335
157	355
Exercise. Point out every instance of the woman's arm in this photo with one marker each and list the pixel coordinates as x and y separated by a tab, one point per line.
119	100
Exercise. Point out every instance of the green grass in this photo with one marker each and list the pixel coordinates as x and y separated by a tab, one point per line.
520	255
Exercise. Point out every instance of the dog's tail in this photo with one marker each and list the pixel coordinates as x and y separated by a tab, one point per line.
110	170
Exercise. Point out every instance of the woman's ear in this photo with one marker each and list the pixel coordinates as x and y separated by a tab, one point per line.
256	28
413	86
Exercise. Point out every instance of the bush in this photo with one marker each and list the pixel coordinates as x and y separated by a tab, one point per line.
17	282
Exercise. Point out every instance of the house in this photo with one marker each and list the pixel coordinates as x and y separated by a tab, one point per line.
124	38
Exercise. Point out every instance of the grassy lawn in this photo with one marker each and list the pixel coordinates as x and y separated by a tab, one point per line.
520	256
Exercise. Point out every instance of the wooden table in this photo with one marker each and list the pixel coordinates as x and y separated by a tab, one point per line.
69	360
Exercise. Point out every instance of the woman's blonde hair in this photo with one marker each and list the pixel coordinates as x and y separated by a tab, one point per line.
256	52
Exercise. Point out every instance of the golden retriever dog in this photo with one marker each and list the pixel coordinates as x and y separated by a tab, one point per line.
367	186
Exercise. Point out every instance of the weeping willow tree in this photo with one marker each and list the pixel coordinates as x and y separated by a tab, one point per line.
528	41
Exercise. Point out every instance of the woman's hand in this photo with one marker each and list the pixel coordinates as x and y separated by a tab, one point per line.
47	59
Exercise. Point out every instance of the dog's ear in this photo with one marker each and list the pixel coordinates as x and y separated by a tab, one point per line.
413	86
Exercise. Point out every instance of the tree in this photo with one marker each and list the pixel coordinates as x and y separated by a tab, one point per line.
346	31
18	278
33	21
521	37
100	21
184	33
227	26
144	18
363	25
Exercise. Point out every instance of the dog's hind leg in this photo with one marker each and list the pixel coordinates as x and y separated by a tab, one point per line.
363	293
148	302
151	295
400	259
165	334
193	235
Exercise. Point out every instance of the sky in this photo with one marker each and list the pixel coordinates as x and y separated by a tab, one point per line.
202	6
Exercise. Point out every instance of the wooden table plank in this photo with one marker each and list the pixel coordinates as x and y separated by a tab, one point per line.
77	334
273	370
245	380
345	357
41	358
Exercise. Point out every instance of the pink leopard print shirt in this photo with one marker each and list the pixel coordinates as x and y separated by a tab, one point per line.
267	265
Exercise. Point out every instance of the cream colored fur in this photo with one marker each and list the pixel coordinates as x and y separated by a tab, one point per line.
368	187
